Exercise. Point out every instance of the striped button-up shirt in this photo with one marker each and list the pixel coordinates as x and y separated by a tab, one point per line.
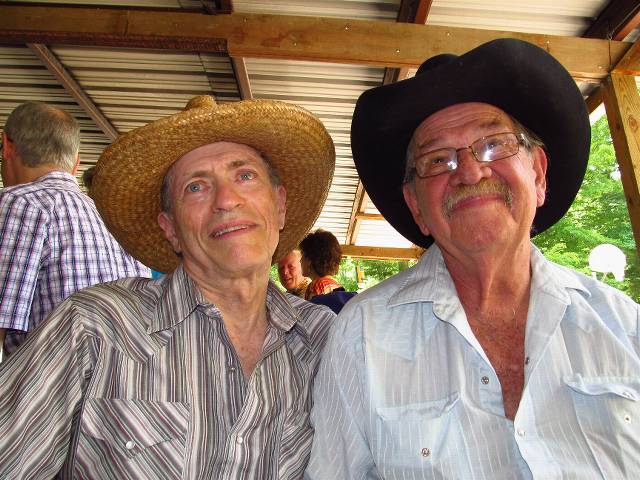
405	391
137	379
52	243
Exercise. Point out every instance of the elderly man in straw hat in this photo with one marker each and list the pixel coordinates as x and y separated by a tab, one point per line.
485	360
205	373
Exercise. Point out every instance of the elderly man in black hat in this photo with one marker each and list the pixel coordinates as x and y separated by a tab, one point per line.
485	360
205	373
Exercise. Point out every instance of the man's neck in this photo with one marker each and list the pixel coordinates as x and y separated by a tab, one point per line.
494	292
491	278
28	174
242	304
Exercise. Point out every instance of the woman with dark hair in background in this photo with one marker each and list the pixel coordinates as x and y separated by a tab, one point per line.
321	255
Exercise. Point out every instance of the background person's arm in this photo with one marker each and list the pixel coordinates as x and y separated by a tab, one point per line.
23	230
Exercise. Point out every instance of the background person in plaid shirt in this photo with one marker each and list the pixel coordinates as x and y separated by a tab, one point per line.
52	239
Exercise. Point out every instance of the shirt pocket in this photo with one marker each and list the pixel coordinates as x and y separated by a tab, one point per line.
295	444
608	414
421	437
123	438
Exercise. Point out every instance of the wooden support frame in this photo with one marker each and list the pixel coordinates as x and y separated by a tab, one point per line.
410	11
617	19
358	208
359	42
381	253
622	104
242	77
74	89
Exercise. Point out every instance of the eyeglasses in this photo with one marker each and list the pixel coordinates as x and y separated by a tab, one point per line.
485	149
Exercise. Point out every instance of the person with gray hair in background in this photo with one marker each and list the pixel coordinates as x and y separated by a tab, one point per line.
53	242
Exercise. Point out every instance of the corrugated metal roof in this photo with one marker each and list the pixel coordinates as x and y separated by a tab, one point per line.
330	92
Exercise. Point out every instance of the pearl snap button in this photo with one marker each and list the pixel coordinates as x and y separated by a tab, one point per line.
129	445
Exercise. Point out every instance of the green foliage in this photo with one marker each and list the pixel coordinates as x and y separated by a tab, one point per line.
374	271
273	275
598	215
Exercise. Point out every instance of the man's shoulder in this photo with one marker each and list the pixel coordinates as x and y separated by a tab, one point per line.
117	293
41	193
587	296
380	295
313	319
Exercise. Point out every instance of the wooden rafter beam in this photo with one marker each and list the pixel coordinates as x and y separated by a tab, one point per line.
213	7
617	19
622	102
381	253
360	42
242	77
410	11
615	22
370	216
73	88
594	100
358	207
626	66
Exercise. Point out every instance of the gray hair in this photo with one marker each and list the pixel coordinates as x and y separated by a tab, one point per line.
167	182
44	135
530	141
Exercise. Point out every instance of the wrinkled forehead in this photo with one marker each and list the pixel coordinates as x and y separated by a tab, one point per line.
458	119
218	150
208	155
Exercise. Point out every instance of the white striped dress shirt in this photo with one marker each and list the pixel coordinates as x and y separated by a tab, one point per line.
137	379
405	391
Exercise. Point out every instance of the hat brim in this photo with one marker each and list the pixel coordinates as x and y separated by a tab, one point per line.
519	78
129	174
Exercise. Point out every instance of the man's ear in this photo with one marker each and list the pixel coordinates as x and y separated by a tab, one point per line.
540	162
167	224
75	167
281	195
409	193
7	146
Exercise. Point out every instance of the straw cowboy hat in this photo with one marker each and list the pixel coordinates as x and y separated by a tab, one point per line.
128	178
515	76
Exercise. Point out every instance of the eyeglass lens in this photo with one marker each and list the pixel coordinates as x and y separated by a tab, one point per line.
485	149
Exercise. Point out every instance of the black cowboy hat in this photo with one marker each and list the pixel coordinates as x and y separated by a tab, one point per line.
520	78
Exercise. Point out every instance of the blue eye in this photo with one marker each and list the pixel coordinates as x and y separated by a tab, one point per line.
247	175
194	187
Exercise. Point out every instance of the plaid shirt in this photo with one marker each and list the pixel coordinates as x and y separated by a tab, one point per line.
52	243
137	379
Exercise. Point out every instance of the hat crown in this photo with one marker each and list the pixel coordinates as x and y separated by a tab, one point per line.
201	101
435	62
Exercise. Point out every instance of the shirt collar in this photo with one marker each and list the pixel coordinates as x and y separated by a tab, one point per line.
285	317
58	175
430	281
180	297
554	279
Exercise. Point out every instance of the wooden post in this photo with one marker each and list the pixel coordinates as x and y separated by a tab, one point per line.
622	104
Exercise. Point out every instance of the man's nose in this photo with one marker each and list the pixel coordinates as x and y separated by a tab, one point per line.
227	196
470	171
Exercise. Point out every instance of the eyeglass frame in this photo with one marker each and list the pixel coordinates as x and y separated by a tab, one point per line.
521	139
